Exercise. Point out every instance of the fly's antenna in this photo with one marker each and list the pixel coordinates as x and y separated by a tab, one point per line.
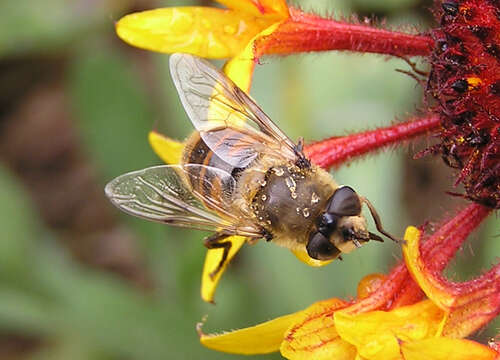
378	224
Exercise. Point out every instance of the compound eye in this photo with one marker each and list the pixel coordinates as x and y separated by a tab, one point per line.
320	248
327	223
344	202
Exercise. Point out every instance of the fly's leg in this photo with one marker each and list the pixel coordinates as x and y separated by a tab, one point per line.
302	162
378	223
215	242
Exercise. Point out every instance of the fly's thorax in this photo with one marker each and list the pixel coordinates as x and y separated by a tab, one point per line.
289	199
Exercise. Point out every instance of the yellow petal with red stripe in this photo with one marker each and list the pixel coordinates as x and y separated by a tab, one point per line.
377	334
240	67
416	266
276	8
313	335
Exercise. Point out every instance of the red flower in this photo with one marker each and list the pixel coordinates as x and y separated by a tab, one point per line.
412	313
465	81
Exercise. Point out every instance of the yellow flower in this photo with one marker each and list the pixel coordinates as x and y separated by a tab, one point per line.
329	330
389	319
207	32
249	29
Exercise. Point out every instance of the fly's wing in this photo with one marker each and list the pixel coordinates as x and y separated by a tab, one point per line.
229	121
161	194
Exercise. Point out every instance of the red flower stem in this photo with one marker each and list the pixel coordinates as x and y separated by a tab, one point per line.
488	282
303	32
382	297
450	237
336	150
408	294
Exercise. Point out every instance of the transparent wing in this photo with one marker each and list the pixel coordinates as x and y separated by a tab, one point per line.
161	194
224	114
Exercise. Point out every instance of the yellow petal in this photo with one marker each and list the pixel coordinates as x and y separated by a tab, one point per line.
212	259
240	68
446	349
313	335
416	266
203	31
170	151
260	339
306	259
258	8
377	334
359	357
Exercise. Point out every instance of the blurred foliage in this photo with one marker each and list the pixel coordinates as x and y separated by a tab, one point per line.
28	26
116	94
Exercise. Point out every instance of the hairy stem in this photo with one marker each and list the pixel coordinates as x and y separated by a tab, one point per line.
336	150
303	32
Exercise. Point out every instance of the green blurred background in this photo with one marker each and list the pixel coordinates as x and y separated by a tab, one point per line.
79	280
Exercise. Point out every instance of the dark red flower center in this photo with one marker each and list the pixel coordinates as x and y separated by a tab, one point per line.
465	81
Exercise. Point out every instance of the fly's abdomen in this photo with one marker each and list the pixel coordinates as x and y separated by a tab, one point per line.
206	183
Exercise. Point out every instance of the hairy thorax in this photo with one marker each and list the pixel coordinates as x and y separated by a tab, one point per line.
286	200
